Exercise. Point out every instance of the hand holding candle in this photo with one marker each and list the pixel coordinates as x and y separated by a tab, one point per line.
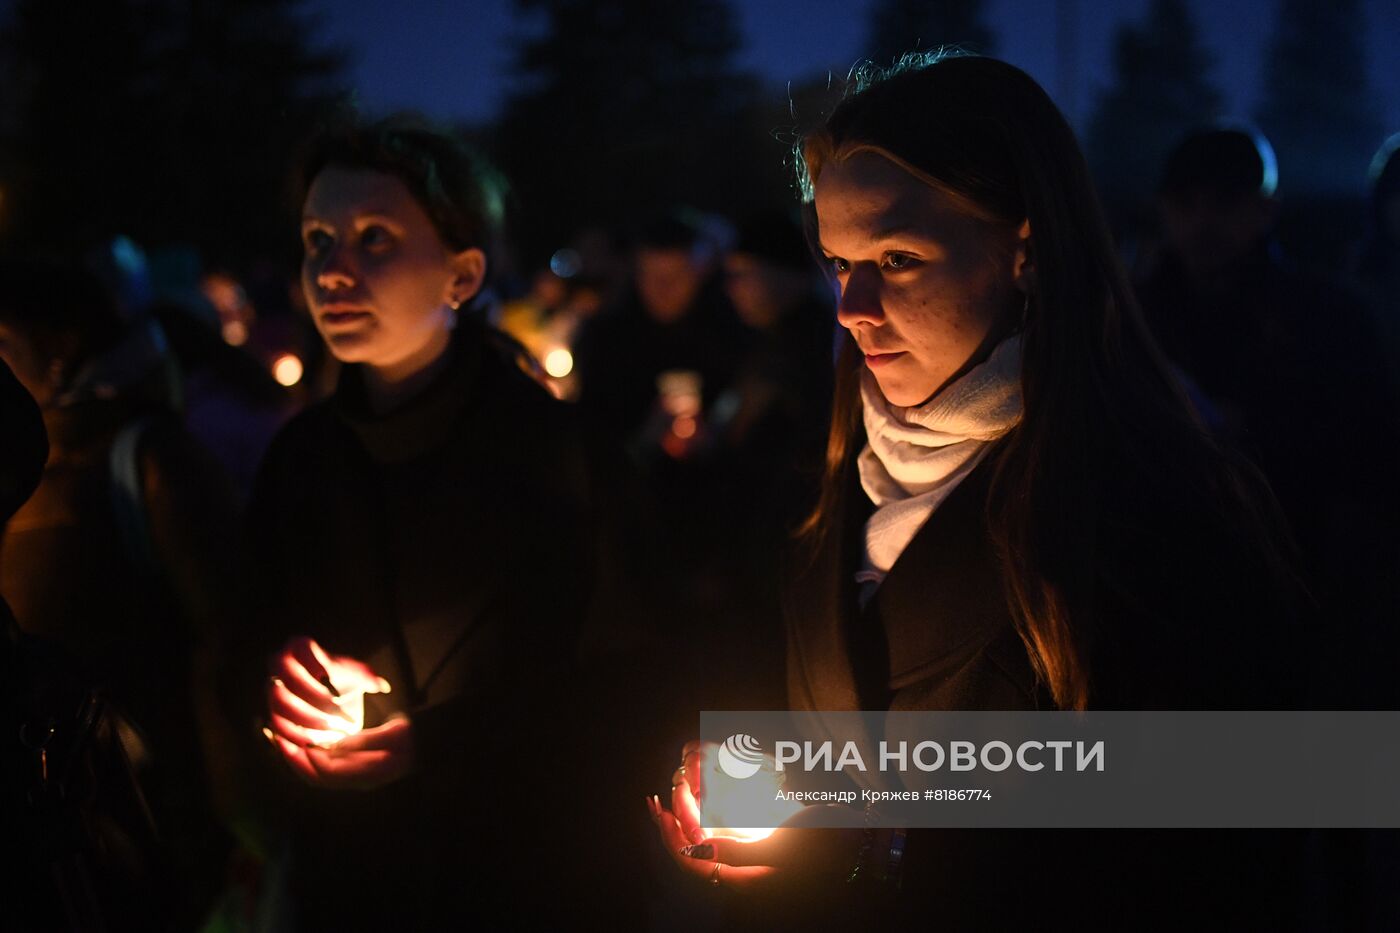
315	704
701	846
722	798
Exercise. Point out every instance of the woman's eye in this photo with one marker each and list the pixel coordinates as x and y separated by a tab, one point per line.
315	240
838	265
899	261
376	237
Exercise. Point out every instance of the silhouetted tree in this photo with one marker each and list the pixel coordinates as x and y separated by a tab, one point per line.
1162	91
899	26
627	107
168	120
1316	107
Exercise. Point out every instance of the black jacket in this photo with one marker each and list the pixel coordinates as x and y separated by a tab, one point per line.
447	544
938	635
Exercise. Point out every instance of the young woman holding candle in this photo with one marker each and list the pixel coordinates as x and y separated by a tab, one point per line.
422	545
1020	509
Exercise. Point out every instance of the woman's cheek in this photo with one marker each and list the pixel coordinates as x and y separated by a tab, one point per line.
308	279
408	284
911	303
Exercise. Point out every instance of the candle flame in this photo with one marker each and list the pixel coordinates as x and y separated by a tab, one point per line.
352	707
287	370
559	363
725	797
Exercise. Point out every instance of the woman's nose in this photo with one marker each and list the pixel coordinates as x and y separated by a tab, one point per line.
860	297
335	270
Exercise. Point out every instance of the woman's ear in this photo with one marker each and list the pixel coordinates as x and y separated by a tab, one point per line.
1022	265
468	274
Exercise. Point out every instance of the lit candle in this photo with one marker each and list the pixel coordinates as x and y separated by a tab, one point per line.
352	707
754	798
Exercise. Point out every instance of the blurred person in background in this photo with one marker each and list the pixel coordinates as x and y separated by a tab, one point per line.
122	556
236	393
1293	369
656	372
1372	858
667	350
766	434
546	320
225	354
32	892
779	408
1377	271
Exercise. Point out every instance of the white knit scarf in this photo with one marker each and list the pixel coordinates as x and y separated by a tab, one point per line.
915	457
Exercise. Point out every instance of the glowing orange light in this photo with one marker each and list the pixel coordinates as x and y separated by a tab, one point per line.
235	333
680	392
725	797
559	363
287	369
352	707
683	427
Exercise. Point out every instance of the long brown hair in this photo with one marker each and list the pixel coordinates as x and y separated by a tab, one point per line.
1101	404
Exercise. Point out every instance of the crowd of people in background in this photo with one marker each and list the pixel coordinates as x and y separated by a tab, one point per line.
697	353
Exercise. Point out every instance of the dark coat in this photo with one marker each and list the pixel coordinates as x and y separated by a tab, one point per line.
126	607
133	588
938	635
101	652
447	545
26	444
1297	372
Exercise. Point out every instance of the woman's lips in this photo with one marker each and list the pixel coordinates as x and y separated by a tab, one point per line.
343	317
876	360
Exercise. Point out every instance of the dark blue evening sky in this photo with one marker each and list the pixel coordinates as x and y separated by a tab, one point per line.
452	59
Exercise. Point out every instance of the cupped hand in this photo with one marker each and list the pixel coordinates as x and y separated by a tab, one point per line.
316	713
787	855
366	760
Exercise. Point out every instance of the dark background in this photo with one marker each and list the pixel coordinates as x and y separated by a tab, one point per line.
173	121
462	60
